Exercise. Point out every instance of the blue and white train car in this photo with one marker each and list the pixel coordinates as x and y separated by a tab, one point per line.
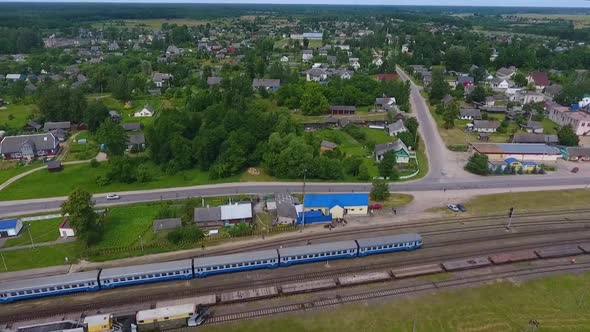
318	252
47	286
378	245
250	260
141	274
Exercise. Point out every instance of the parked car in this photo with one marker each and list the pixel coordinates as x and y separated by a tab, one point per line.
375	206
461	208
453	207
112	197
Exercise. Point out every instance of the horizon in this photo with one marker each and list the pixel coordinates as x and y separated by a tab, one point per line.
546	4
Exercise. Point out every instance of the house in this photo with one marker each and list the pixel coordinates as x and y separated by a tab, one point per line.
384	104
328	146
396	128
337	205
269	84
342	73
65	229
533	127
355	64
342	110
500	84
284	58
533	98
33	126
400	150
534	138
378	62
307	55
575	153
225	215
465	81
485	126
447	99
146	112
132	126
553	90
585	102
160	79
64	125
316	75
166	224
136	142
213	81
563	116
506	73
520	151
15	77
113	46
10	227
286	212
172	50
54	166
539	79
29	146
115	116
469	114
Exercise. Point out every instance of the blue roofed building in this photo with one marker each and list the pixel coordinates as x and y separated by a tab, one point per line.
10	227
337	205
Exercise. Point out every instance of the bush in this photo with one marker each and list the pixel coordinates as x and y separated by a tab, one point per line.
241	229
94	163
459	148
185	234
477	164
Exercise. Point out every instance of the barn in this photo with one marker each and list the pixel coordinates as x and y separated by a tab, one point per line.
10	227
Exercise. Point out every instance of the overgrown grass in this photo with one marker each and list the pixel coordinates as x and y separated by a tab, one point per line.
83	151
42	256
558	303
41	231
395	200
19	114
9	169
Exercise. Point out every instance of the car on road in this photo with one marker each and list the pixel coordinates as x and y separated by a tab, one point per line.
453	207
375	206
461	208
112	197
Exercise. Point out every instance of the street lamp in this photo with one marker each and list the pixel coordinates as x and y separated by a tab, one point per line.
303	203
141	241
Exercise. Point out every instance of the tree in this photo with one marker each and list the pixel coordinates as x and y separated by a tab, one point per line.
379	190
80	208
62	104
119	87
520	80
567	136
478	94
412	124
363	172
313	102
477	164
387	166
95	114
113	136
439	87
305	42
449	116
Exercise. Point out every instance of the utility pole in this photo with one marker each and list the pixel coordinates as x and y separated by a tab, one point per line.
141	241
30	236
4	262
303	203
510	215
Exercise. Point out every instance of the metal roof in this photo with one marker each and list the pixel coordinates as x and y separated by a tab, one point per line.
247	256
315	248
161	313
146	268
400	238
12	144
331	200
43	282
236	211
8	224
515	148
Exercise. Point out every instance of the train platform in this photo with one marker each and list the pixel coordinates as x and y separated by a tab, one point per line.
34	273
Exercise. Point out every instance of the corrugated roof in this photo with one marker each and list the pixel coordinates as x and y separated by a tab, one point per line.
236	211
8	224
331	200
516	148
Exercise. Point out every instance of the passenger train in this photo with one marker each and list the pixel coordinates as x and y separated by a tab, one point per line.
199	267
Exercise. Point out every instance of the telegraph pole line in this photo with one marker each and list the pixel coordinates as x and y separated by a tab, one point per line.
303	203
510	215
30	236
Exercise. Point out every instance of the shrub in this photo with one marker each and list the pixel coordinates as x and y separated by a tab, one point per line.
477	164
94	163
241	229
189	233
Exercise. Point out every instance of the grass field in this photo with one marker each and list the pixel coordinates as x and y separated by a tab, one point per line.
8	169
155	24
19	114
41	231
395	200
83	151
84	176
42	256
558	303
580	21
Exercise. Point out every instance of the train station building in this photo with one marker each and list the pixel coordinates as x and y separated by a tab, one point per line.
337	205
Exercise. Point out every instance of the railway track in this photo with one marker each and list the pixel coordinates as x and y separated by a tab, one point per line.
394	291
334	272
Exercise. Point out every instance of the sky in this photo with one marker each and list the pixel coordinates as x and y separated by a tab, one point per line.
502	3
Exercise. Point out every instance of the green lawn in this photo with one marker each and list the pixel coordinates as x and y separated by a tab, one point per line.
125	224
41	231
84	176
549	127
42	256
558	303
83	151
396	200
8	169
20	115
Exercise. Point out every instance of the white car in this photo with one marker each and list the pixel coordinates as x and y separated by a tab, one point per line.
112	197
453	207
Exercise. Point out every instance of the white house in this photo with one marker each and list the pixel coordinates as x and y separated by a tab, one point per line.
354	63
65	230
405	48
485	126
533	97
316	74
307	55
584	102
378	62
10	227
284	58
146	112
500	83
396	128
